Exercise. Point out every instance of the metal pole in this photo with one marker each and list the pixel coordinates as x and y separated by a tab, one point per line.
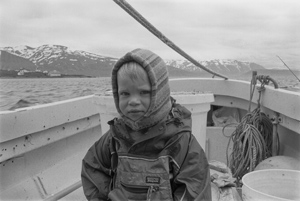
64	192
289	68
137	16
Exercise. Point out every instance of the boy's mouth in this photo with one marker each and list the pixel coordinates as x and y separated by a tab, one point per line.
135	114
135	111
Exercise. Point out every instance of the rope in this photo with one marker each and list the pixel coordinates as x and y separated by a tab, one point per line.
252	143
138	17
252	89
252	139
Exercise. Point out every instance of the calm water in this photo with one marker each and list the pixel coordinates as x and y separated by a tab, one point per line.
17	93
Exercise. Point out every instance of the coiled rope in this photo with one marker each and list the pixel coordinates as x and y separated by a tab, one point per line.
252	139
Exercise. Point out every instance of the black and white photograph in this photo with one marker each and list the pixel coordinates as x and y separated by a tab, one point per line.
191	100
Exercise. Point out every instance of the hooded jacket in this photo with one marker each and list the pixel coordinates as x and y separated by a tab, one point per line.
166	158
171	138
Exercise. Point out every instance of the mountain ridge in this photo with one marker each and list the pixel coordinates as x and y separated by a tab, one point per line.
78	62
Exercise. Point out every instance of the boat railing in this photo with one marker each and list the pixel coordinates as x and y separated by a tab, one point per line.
42	146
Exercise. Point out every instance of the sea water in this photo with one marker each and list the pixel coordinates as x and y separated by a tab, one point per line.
24	92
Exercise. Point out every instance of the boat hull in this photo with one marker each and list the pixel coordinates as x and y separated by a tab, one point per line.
42	146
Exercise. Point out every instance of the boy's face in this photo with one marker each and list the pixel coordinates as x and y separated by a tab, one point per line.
134	96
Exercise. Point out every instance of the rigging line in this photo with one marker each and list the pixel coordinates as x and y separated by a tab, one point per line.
137	16
288	68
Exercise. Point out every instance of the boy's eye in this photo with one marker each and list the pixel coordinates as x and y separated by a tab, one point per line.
145	92
123	93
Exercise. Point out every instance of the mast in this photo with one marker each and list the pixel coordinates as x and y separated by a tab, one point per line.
138	17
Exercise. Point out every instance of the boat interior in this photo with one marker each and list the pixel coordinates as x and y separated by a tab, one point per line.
42	146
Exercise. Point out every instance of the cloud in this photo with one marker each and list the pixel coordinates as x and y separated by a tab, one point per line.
209	29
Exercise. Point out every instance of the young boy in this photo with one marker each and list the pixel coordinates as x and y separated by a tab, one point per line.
149	152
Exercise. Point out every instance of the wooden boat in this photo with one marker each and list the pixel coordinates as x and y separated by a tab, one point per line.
42	146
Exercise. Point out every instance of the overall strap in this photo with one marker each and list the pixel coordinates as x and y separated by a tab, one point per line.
113	161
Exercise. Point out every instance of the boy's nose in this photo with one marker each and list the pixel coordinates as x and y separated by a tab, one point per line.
134	100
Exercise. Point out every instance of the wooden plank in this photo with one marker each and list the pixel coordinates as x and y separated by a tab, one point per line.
22	145
25	121
47	170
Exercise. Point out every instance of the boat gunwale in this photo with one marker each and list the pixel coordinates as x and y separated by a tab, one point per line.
241	89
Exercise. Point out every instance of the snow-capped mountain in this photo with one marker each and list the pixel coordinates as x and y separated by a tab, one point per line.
23	51
56	57
227	67
62	59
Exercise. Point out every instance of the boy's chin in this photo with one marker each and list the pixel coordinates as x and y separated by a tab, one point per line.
134	117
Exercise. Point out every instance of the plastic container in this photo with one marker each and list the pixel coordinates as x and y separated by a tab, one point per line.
271	185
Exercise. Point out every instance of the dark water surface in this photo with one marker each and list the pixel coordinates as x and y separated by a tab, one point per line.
16	93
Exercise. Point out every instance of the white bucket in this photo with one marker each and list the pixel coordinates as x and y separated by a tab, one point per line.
271	185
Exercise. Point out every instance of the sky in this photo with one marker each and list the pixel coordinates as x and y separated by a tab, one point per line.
254	31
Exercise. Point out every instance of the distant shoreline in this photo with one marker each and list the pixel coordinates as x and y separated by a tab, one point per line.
32	77
42	77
